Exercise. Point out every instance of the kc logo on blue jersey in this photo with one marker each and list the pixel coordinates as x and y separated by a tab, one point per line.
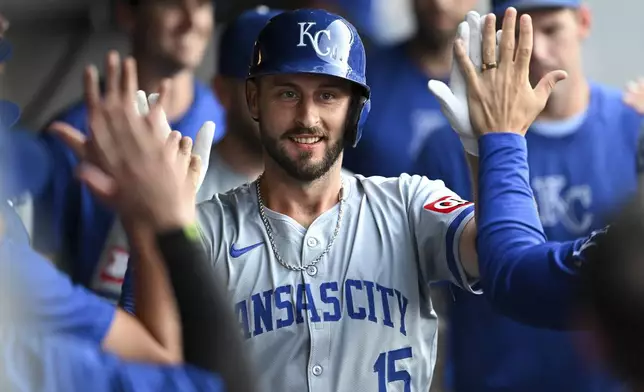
238	252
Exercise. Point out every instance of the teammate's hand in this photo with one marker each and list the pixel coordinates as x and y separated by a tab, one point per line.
501	98
634	95
203	143
453	99
132	166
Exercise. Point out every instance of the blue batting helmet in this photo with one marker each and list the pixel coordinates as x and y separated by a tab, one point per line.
315	42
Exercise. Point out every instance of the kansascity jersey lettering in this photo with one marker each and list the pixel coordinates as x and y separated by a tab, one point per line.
361	319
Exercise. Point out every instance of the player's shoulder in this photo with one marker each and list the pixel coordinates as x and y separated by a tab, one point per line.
387	189
228	205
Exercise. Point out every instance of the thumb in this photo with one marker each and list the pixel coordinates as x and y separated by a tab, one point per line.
547	84
71	136
443	94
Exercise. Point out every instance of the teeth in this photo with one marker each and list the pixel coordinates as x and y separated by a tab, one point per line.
306	140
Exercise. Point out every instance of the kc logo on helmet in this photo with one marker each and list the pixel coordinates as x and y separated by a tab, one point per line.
314	38
446	204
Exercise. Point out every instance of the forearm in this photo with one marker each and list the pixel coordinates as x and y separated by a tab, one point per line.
524	277
156	307
210	334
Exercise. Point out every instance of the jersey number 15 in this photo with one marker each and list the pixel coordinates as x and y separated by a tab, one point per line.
385	367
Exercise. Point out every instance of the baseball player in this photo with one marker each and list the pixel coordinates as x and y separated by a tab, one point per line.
583	156
319	265
169	39
408	113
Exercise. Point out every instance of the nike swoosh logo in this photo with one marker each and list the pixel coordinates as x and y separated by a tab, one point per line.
235	253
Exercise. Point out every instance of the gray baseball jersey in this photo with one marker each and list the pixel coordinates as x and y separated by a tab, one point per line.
362	320
108	278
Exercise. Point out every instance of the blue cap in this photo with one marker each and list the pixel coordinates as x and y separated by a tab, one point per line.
238	39
5	50
499	6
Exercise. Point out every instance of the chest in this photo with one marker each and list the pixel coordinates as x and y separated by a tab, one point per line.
576	186
312	277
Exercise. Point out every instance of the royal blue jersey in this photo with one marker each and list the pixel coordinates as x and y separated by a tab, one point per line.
38	297
403	114
71	221
579	173
58	363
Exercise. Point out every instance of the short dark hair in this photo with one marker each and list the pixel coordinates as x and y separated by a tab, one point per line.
612	289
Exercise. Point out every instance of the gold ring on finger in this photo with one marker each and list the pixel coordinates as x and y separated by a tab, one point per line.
487	66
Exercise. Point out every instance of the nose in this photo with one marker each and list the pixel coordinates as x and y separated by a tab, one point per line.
539	47
308	115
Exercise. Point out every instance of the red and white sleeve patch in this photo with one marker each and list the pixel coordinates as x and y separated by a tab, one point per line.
447	204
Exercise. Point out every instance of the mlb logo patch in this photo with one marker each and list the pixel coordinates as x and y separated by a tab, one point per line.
447	204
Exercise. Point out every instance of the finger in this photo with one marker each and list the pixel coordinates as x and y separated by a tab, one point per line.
442	93
112	71
203	141
463	34
142	103
464	62
129	79
524	47
72	137
508	34
489	40
195	171
203	146
172	145
474	22
92	89
185	147
547	84
98	182
163	99
498	41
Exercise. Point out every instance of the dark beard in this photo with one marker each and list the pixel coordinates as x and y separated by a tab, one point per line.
431	40
299	169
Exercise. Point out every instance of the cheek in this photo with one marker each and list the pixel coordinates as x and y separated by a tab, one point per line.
203	20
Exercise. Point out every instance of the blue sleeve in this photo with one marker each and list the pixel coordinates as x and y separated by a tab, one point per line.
525	277
52	363
126	301
57	206
48	299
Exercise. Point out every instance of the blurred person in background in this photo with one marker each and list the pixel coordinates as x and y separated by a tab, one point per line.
237	158
57	336
168	39
404	112
583	161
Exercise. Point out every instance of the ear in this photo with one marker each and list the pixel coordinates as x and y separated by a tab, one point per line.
585	19
124	14
252	99
222	91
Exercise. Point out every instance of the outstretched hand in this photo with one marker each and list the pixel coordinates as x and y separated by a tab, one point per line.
500	97
128	160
